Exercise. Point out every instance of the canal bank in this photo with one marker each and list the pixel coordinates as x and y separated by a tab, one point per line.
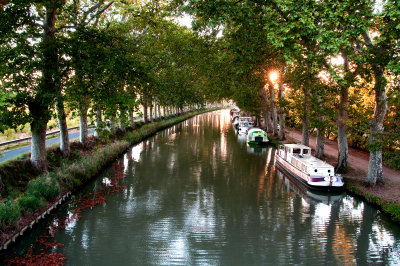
47	191
385	196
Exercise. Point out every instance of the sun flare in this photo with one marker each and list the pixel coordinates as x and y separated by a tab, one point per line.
273	76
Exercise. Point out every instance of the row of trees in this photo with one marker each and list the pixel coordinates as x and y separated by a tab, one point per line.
105	58
338	65
99	58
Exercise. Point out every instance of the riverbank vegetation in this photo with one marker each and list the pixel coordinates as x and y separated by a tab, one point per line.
26	191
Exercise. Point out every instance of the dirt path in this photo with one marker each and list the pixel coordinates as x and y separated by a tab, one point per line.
358	160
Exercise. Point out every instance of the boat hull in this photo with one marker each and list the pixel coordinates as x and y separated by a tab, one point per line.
253	142
289	169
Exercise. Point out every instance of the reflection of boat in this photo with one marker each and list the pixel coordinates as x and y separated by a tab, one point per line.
256	149
307	194
257	136
244	124
296	160
235	122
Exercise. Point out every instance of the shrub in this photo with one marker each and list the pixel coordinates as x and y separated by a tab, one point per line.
392	159
77	171
44	186
9	213
30	203
16	174
393	209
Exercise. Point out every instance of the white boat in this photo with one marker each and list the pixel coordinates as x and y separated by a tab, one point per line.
245	124
257	136
234	112
296	159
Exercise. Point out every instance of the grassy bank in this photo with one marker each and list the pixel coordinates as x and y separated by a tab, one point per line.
25	192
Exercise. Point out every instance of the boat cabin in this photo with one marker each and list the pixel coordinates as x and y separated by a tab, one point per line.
245	119
299	156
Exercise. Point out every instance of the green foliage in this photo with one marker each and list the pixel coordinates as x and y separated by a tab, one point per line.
392	158
9	213
45	186
16	174
30	203
393	210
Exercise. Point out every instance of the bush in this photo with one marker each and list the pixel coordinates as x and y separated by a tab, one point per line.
9	213
393	209
30	203
44	186
392	158
16	174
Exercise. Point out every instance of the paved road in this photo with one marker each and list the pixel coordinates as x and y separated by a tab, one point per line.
13	153
358	160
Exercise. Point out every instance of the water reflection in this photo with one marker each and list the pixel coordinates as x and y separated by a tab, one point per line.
195	195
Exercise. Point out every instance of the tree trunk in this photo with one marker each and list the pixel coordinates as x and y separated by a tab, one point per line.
151	112
144	103
155	110
83	123
98	124
130	118
320	130
38	147
39	107
266	111
62	123
306	117
375	171
281	110
320	143
273	108
343	147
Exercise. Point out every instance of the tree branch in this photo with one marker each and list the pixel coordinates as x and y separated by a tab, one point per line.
367	39
142	35
90	10
101	11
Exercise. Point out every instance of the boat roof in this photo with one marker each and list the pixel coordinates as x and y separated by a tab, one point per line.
313	161
254	129
298	146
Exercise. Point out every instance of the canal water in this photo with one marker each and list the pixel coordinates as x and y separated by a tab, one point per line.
196	194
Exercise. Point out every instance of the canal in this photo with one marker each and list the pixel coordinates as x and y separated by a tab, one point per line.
197	194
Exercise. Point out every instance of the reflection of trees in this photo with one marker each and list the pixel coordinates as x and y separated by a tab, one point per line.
364	238
186	199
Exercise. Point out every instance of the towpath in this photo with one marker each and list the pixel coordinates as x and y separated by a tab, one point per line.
358	160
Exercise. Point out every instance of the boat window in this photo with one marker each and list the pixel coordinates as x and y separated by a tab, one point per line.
315	170
296	151
329	171
306	151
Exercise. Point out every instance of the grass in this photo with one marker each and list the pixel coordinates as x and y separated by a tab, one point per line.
24	191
